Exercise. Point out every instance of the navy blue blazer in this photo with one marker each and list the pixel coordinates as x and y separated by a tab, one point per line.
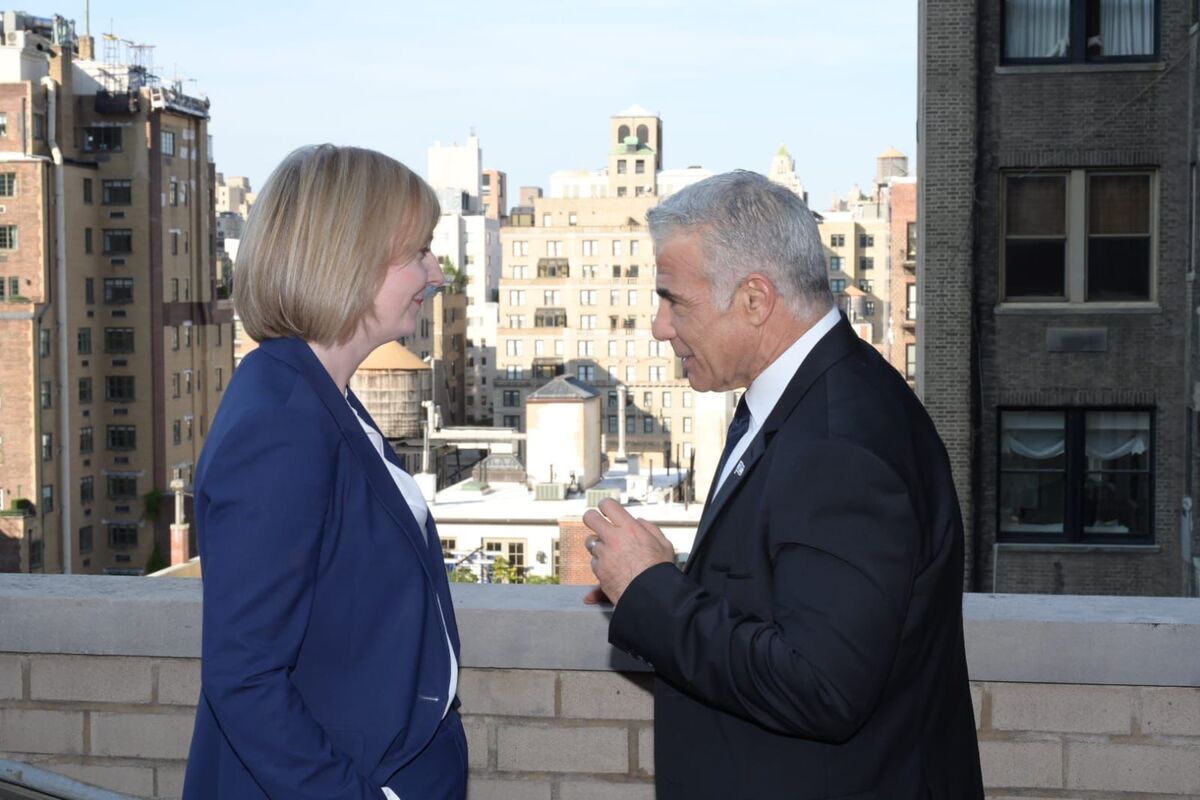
324	666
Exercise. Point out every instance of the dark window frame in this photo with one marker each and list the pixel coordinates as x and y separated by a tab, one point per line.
1074	477
1077	51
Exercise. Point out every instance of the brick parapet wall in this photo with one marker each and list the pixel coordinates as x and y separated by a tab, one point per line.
1083	698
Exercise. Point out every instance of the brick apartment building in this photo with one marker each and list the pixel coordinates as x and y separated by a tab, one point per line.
1058	249
114	351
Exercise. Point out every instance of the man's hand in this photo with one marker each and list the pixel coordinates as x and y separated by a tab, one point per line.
622	548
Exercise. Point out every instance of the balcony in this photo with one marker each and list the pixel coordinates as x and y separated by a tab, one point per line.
1073	696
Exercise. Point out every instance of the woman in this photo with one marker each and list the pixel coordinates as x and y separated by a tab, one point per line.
330	653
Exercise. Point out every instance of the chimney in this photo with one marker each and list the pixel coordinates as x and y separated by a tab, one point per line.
574	561
87	48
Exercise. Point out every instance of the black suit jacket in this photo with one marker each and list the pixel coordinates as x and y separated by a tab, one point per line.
812	647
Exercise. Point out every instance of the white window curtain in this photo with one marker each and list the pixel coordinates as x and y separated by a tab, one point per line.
1126	27
1037	28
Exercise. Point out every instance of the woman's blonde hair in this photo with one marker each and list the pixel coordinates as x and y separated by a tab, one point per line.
319	238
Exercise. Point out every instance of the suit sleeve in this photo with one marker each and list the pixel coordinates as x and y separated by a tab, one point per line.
267	489
842	537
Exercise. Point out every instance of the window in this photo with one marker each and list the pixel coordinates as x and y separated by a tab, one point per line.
174	290
631	348
616	247
47	499
118	241
14	288
173	192
656	374
122	437
87	191
586	373
87	241
634	247
587	321
837	240
47	394
1061	31
47	447
612	423
99	139
633	297
44	342
512	398
89	290
837	285
866	240
119	388
83	341
85	390
8	184
554	248
630	374
572	218
666	399
647	424
657	348
174	243
587	297
1075	474
3	123
837	263
910	309
116	192
910	361
866	286
450	544
85	540
176	432
8	237
175	337
687	399
547	220
510	550
516	297
591	247
219	376
118	291
687	424
910	248
630	423
869	308
1082	236
85	440
512	421
513	347
87	489
587	348
122	487
520	248
122	537
866	263
613	350
622	166
118	340
168	143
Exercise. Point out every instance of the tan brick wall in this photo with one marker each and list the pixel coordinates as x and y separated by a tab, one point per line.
125	724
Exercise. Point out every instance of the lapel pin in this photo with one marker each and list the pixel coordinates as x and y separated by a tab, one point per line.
739	469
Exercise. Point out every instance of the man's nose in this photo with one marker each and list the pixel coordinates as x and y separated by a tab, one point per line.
660	326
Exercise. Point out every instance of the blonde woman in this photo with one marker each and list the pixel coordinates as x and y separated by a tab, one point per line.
330	652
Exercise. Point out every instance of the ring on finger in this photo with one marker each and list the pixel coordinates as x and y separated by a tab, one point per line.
591	543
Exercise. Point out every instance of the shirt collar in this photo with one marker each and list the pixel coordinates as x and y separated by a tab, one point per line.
770	384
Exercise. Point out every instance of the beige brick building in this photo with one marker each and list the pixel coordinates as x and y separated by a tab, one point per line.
577	298
113	349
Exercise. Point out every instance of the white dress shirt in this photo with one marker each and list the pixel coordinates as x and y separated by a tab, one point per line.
770	384
420	510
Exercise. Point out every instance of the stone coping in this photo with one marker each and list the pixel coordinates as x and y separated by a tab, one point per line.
1138	641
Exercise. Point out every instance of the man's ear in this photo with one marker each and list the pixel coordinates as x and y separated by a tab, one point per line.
757	297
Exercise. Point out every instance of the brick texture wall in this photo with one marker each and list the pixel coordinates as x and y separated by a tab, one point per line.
125	723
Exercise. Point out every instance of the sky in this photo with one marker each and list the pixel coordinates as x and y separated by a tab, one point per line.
537	80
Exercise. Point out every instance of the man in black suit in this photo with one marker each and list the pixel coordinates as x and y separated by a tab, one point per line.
812	646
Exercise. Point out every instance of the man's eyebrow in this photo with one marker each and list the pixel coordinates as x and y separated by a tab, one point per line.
665	294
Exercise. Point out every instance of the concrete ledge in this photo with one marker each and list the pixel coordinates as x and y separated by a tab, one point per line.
1138	641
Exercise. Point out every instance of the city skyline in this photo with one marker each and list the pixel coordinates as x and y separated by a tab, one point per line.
731	84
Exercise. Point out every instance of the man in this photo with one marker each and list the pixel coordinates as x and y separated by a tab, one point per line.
812	646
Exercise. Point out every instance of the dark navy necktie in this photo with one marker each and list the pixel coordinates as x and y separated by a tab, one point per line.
737	429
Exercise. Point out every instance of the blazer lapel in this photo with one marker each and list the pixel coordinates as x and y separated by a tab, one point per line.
300	355
833	346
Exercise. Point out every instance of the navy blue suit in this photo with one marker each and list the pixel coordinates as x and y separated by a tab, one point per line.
325	666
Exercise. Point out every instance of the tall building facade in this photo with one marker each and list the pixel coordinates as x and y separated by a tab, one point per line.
577	298
114	350
467	237
1057	257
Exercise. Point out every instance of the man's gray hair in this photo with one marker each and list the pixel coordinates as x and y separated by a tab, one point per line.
750	224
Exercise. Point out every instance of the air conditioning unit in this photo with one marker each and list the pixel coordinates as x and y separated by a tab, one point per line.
594	496
550	491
